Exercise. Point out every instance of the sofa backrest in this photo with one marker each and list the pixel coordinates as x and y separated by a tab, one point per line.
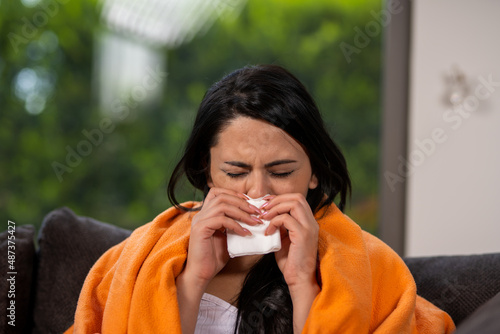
68	247
49	280
457	284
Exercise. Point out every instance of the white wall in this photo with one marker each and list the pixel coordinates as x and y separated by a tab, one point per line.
453	189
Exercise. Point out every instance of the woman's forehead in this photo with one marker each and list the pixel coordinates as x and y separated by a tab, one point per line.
250	137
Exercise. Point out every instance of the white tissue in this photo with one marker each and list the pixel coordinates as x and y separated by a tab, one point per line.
257	243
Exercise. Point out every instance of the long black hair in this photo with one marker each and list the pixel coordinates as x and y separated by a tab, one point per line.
271	94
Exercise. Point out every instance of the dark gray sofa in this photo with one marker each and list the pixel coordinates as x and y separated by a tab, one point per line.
51	270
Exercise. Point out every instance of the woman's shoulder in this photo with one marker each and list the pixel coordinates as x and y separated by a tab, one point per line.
383	259
340	229
172	221
184	212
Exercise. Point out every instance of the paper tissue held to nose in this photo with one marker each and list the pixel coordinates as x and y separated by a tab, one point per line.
258	242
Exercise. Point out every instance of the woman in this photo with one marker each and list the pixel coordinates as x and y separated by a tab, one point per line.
257	133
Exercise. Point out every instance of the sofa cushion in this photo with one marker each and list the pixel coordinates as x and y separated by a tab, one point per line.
22	238
68	247
457	284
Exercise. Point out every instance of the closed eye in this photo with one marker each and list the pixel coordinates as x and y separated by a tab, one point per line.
285	174
235	175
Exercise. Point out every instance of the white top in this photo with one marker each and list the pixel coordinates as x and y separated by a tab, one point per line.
216	316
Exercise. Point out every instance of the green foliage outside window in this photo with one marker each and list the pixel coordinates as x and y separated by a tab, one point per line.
123	179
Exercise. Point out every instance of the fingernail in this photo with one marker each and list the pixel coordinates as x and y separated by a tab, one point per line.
264	214
257	220
247	231
264	205
255	209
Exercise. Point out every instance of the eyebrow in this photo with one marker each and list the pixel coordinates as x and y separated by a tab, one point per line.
270	164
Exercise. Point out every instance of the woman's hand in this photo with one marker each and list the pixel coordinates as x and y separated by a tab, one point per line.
207	253
299	248
299	242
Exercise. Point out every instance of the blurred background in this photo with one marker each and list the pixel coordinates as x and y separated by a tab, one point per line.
97	97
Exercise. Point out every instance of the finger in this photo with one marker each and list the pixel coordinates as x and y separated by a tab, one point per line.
283	221
231	225
293	208
269	197
283	233
289	197
212	225
228	205
296	231
285	242
284	198
214	192
233	198
235	213
220	240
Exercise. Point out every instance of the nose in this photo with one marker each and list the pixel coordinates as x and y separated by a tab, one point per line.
257	185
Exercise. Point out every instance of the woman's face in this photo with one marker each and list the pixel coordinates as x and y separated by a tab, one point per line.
256	158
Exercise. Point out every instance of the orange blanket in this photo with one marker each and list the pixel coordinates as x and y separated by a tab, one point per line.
365	286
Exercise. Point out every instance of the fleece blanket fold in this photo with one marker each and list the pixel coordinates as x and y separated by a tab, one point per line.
365	286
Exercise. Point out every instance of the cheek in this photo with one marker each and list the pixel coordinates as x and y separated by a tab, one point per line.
298	184
303	182
216	178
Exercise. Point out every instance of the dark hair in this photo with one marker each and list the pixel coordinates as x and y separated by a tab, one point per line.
272	94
